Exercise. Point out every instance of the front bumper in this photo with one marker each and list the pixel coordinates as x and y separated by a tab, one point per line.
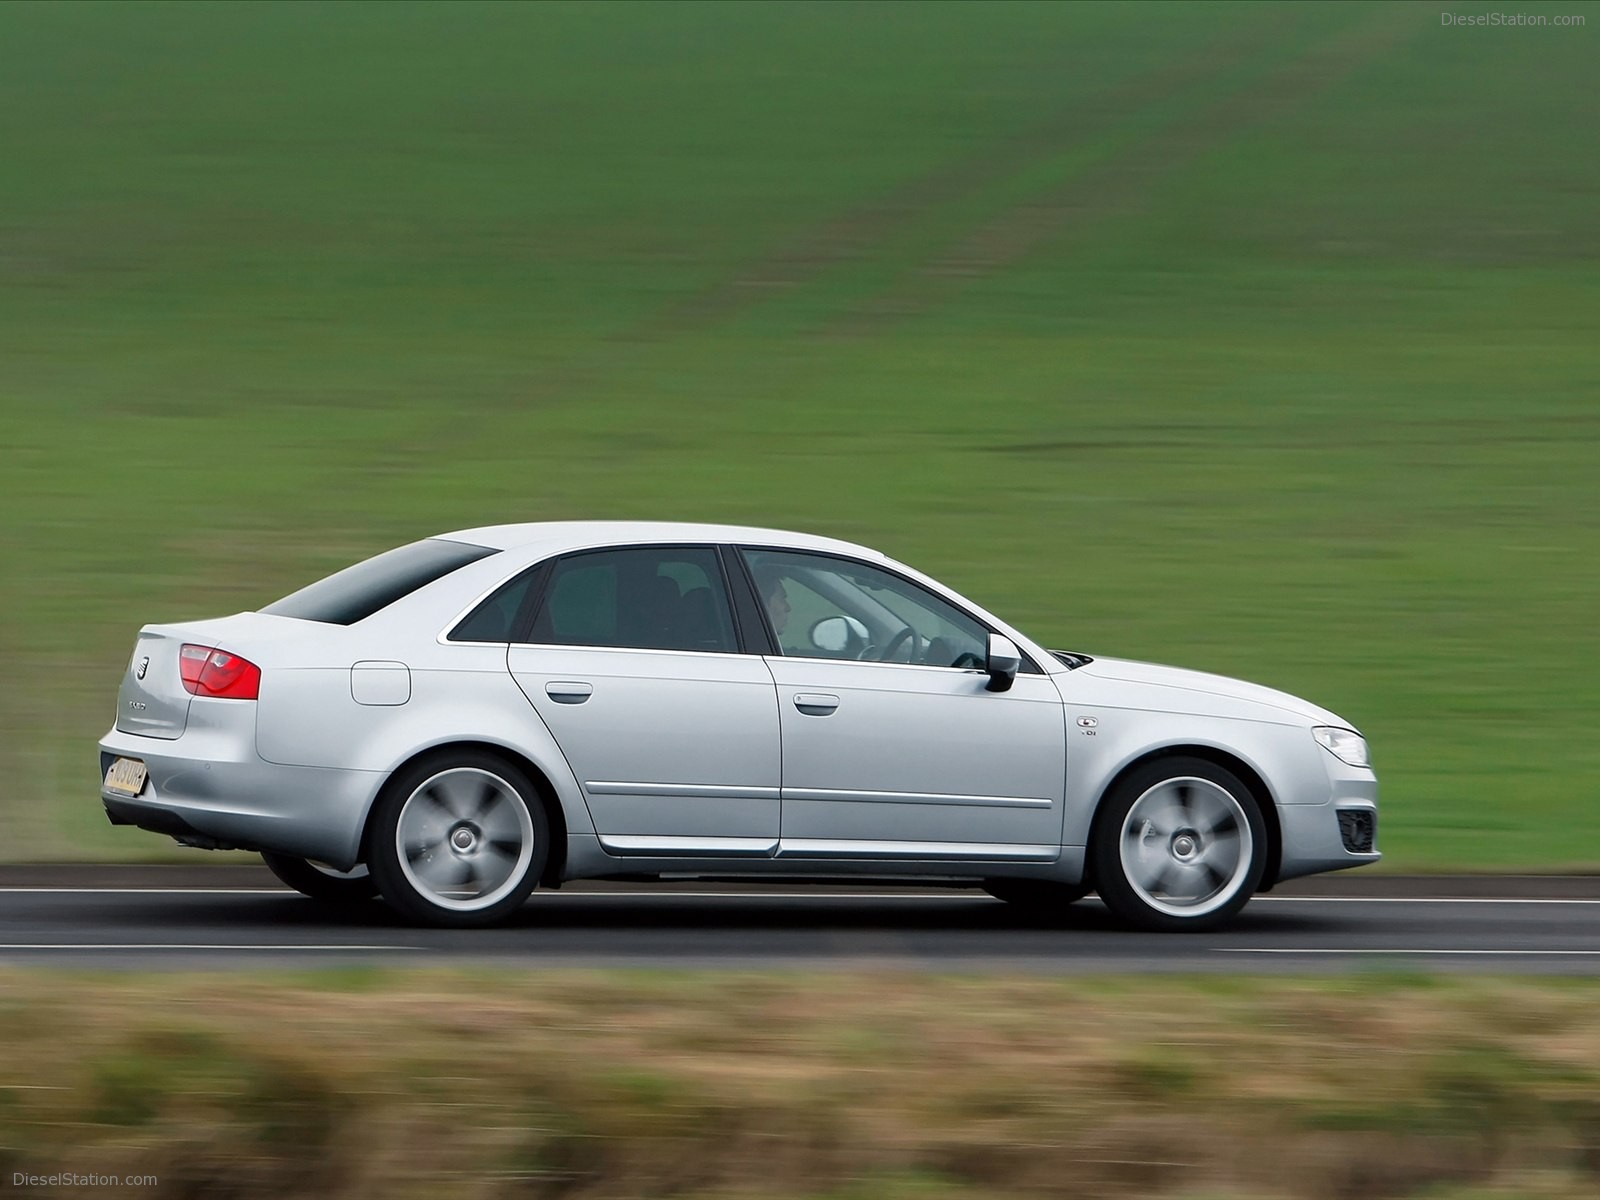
209	788
1314	838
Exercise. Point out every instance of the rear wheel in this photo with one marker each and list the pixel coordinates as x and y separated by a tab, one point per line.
459	839
1179	845
322	882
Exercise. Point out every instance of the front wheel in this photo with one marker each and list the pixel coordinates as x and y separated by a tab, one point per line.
1180	845
459	839
322	882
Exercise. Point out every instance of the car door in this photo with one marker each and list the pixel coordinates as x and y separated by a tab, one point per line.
893	746
633	662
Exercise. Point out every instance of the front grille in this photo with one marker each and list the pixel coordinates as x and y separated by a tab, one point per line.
1359	828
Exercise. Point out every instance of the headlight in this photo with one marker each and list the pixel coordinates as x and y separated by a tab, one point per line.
1346	745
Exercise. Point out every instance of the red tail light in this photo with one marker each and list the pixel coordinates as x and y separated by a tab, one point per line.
208	672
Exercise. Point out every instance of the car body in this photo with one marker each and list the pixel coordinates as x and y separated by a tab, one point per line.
481	712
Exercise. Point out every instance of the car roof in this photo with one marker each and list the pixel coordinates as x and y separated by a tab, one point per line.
559	536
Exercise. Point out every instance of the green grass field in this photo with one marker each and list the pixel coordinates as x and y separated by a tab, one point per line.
1259	339
487	1084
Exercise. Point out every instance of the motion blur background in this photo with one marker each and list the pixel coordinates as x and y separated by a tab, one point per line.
1262	339
1259	339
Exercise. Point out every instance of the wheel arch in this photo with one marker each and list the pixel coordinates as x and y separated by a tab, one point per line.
1247	775
556	861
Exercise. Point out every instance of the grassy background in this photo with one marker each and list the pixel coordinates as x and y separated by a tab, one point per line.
1259	339
467	1085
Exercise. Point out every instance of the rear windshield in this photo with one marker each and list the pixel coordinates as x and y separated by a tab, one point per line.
357	592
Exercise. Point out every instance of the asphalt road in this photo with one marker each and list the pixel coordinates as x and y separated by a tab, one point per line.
227	918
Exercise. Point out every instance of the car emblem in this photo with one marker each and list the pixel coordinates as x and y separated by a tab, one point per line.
1087	722
136	705
144	665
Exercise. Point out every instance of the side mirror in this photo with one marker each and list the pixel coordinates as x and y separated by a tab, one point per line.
838	635
1004	661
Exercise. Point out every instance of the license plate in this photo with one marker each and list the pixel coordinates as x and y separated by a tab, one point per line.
127	776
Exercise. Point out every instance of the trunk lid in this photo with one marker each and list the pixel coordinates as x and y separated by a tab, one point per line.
152	701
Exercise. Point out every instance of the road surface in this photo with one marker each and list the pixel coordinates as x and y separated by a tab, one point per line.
233	917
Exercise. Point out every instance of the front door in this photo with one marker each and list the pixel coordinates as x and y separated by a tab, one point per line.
893	748
672	734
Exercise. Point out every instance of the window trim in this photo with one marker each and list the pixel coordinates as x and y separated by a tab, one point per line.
755	632
752	628
1028	667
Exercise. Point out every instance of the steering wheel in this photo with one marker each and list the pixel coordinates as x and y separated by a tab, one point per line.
895	642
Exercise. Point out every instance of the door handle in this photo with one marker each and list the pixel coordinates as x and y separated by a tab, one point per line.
566	691
816	704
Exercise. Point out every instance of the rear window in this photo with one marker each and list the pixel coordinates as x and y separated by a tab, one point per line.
357	592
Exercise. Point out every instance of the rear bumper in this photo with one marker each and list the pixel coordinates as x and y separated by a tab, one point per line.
218	794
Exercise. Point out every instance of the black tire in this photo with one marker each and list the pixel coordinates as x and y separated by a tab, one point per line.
1215	849
1036	895
417	882
322	883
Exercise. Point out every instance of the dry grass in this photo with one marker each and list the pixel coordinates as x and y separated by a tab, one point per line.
584	1084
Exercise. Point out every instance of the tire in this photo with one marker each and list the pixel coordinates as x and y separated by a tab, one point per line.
1179	845
459	839
1036	895
320	882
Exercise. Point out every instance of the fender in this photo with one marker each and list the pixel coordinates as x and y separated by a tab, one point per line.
1283	756
309	717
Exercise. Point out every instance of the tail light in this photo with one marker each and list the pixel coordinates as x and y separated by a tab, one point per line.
209	672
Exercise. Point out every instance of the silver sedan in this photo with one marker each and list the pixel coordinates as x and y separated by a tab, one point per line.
458	721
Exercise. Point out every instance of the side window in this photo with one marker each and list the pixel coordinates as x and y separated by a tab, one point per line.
823	607
657	598
495	620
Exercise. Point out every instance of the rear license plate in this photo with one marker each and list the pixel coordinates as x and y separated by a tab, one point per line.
127	775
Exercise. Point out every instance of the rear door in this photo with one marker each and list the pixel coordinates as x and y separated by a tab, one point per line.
634	664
